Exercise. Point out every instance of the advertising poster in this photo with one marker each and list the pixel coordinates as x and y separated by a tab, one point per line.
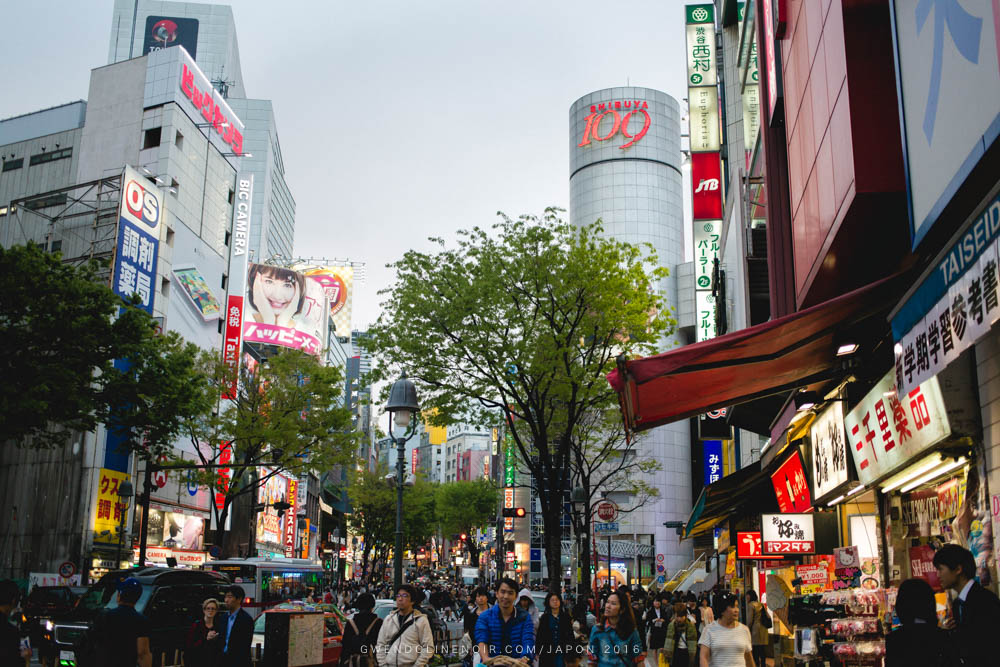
847	568
134	268
338	283
162	32
198	293
269	527
285	308
922	565
108	517
814	577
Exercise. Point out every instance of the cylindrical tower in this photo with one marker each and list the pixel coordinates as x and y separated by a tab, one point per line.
625	168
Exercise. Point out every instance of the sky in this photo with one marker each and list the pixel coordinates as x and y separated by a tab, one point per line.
397	120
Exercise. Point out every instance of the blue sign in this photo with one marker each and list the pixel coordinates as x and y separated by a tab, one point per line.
192	487
135	265
535	554
712	456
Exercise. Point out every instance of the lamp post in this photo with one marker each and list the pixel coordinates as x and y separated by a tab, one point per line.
125	493
402	406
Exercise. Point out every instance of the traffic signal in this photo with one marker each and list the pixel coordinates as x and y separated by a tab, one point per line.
513	512
463	536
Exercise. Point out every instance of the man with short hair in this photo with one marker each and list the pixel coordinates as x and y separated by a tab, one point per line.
122	634
239	630
406	638
976	610
506	629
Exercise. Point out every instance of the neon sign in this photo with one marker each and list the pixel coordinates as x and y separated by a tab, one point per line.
211	111
620	123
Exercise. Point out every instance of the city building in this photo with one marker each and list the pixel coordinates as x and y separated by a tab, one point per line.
463	439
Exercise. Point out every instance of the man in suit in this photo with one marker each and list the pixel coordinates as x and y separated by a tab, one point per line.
975	612
239	630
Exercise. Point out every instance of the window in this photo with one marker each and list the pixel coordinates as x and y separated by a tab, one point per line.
11	165
46	202
225	280
55	246
151	138
165	287
170	237
179	140
42	158
232	196
229	237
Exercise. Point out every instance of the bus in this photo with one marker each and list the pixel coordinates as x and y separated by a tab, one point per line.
267	582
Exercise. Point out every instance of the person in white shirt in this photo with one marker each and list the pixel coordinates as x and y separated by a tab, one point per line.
726	642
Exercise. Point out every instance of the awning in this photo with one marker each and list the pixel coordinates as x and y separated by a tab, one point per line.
749	488
770	358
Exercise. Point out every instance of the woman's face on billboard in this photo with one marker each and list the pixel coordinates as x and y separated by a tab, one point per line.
279	292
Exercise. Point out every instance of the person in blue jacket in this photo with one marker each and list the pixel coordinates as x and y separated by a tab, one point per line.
614	641
506	629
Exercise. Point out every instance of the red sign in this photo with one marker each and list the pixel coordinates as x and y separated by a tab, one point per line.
607	511
231	343
770	59
225	456
415	461
748	547
290	518
618	122
706	179
211	111
922	565
790	486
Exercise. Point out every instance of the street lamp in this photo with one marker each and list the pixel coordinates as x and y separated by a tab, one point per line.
402	406
125	493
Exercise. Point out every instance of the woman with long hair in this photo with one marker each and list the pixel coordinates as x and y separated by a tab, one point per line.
918	640
614	641
657	619
555	642
205	638
681	640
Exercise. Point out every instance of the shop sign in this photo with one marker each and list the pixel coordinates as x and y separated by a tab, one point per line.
701	65
706	186
722	541
704	304
948	499
713	460
509	463
232	343
703	116
140	214
814	577
771	61
748	546
751	113
922	565
290	518
829	450
887	430
945	59
414	461
712	426
109	517
787	534
847	568
212	106
790	485
954	306
706	248
508	503
629	117
52	579
920	509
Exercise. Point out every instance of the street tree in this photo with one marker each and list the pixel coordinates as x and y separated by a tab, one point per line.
373	501
64	329
286	417
464	507
524	319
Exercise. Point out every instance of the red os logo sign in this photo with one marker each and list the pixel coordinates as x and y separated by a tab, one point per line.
618	121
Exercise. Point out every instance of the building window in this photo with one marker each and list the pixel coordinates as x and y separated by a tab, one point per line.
11	165
179	140
225	280
232	196
151	138
165	287
42	158
55	246
46	202
170	237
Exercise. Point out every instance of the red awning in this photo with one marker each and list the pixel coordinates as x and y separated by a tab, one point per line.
769	358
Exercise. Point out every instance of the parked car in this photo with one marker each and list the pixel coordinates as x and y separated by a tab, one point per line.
333	622
171	600
384	607
42	605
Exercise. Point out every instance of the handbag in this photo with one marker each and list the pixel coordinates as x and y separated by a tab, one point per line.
662	660
765	618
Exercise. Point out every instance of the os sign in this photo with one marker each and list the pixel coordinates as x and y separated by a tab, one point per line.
622	114
607	511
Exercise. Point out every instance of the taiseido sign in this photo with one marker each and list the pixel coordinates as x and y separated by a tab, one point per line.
629	118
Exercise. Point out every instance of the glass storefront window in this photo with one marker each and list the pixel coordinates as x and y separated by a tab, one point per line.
277	586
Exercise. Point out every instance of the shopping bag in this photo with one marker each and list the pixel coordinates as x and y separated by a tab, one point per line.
663	662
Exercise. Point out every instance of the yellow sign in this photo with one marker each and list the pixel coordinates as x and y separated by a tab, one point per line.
731	563
437	435
108	517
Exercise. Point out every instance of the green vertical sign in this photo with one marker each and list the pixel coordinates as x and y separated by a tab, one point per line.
509	462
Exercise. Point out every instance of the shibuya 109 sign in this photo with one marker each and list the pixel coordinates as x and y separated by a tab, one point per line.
625	116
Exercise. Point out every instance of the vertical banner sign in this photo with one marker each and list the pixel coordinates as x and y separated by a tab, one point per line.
291	518
225	474
713	460
107	519
790	486
134	269
508	503
232	343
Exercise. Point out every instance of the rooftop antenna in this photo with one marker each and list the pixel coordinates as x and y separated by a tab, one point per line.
221	85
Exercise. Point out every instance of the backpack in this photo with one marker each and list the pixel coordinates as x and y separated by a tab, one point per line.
360	653
765	618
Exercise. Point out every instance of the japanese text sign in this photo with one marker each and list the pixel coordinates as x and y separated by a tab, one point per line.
232	343
748	546
829	450
509	463
713	460
886	430
814	577
784	534
704	304
141	210
109	508
290	518
790	485
701	64
706	248
212	106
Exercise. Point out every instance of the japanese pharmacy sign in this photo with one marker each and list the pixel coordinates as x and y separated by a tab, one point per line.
949	84
701	45
887	429
783	534
713	460
748	546
790	485
140	213
108	516
829	450
232	343
956	303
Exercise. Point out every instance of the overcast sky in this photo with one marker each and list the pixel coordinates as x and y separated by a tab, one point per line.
397	120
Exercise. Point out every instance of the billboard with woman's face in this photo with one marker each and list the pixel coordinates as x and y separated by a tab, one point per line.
285	308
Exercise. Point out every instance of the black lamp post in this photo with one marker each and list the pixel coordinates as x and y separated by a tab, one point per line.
402	407
125	493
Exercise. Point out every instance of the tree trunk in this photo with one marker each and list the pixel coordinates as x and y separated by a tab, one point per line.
552	523
220	530
585	553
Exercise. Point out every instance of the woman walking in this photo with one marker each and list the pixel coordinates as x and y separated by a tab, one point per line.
758	627
657	619
681	641
614	641
360	634
554	641
205	638
726	642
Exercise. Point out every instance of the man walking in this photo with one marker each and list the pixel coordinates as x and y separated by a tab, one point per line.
122	633
506	629
239	630
975	612
406	638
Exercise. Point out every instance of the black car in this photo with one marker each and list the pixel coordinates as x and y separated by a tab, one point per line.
42	605
171	600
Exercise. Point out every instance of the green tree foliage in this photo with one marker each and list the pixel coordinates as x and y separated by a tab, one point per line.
462	507
287	416
524	319
62	330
